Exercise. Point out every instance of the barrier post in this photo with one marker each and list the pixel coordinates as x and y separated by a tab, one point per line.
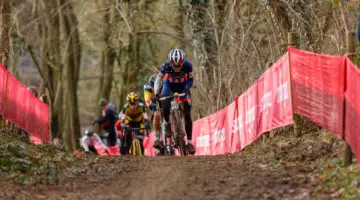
297	130
350	53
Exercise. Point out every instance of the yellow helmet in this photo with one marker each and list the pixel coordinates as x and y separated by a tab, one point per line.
132	98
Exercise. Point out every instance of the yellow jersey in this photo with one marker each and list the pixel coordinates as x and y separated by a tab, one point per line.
128	115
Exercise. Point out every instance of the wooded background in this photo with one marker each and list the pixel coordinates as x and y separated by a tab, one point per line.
79	51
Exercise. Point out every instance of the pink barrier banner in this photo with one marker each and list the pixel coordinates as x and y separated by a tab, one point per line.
274	100
318	88
99	149
264	106
352	100
234	124
247	112
202	137
3	78
148	145
22	108
217	125
35	140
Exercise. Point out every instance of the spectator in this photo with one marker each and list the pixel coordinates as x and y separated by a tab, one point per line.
358	30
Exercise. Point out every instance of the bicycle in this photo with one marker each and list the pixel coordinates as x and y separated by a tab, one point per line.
177	124
167	142
135	148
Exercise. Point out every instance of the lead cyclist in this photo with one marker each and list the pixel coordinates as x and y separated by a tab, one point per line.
176	75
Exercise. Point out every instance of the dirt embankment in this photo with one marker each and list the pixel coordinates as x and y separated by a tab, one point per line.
281	168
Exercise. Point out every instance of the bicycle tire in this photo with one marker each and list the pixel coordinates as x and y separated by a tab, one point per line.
179	133
136	148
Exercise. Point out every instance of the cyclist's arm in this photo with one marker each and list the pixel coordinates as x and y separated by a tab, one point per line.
144	114
159	77
99	120
97	138
84	143
190	78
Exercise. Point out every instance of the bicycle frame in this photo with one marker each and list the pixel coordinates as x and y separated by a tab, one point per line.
177	123
135	148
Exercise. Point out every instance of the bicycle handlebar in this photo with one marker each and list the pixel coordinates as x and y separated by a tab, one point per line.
135	129
175	95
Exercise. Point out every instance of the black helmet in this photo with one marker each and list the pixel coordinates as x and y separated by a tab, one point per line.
89	132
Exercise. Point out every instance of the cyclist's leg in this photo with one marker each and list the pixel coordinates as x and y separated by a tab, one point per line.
188	127
112	136
188	120
125	142
166	91
92	149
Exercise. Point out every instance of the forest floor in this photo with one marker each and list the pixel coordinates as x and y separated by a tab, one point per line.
282	167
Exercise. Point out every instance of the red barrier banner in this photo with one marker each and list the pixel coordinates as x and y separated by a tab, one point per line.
217	125
274	102
148	145
318	88
202	139
247	113
35	140
3	78
352	108
22	108
234	123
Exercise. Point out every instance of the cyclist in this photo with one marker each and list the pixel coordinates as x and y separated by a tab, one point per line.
132	115
87	141
150	100
108	120
176	74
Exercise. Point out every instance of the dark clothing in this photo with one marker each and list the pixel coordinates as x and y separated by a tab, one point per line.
358	30
108	123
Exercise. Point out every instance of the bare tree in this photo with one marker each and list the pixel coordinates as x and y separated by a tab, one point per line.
4	31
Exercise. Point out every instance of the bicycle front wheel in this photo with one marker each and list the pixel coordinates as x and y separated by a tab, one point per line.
136	148
179	133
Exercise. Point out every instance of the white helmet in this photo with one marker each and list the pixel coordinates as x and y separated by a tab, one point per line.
177	57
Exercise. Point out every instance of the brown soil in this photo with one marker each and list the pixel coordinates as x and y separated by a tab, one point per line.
282	168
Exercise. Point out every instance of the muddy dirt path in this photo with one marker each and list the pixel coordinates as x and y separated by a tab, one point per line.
260	172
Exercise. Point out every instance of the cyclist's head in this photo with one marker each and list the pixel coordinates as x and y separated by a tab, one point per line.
111	107
177	58
89	132
133	100
103	102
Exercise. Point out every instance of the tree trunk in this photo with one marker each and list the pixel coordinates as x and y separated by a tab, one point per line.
107	58
73	57
4	31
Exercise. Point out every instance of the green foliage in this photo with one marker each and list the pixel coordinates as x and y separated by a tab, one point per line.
29	164
338	181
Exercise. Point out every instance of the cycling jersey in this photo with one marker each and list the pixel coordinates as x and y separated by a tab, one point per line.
127	115
176	81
